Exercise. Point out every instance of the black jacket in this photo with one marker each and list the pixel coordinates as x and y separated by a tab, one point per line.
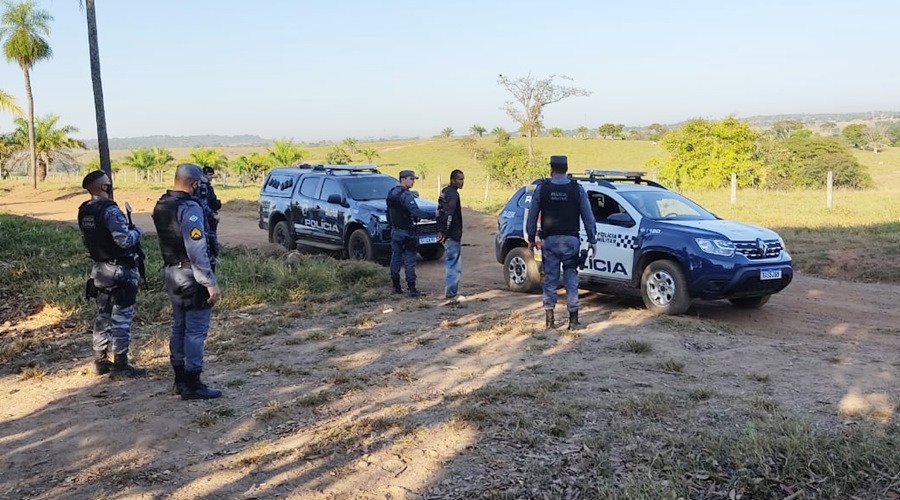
450	213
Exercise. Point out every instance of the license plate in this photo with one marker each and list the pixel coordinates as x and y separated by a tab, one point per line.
425	240
770	273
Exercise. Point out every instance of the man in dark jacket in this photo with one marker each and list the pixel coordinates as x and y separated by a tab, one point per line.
450	229
112	245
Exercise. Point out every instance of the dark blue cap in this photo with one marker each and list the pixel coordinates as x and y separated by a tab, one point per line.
559	161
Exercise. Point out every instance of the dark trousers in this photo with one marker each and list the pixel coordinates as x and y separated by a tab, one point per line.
404	247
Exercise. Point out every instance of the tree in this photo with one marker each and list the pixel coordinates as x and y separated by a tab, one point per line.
534	129
556	132
252	166
499	131
477	130
657	131
894	135
855	134
23	27
804	162
206	157
876	138
50	142
94	164
511	165
610	131
352	145
783	129
8	103
284	152
99	110
162	158
447	133
531	95
338	156
503	136
140	159
583	132
370	154
704	154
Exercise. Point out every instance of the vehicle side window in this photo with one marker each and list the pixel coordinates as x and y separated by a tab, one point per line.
276	183
603	206
308	187
329	188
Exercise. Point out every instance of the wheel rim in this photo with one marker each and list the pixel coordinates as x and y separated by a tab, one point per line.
661	288
358	249
518	270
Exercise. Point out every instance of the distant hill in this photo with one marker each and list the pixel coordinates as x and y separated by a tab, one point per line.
191	141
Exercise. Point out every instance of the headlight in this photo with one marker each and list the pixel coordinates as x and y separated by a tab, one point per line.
724	248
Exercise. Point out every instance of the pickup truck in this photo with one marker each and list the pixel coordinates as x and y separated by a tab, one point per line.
337	208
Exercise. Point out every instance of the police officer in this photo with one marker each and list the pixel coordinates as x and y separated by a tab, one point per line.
113	281
211	205
560	201
189	278
403	212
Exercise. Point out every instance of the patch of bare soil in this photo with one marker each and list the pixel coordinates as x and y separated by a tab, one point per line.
414	399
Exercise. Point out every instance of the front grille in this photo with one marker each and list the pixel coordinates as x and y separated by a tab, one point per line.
429	227
753	250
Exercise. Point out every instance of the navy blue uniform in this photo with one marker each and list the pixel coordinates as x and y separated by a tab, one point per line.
403	211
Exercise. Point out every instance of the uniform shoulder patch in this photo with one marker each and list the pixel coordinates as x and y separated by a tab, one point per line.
196	233
193	218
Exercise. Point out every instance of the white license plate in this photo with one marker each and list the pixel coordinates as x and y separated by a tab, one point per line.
770	273
425	240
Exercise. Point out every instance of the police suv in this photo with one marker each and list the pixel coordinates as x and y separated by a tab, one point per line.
337	207
655	240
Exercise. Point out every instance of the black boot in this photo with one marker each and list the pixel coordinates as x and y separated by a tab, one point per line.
102	364
573	321
549	323
178	386
121	368
411	290
195	389
397	289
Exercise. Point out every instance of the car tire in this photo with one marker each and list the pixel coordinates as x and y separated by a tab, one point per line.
281	235
359	246
432	253
664	288
521	271
750	302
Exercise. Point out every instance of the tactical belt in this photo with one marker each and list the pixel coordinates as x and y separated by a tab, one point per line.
181	265
124	262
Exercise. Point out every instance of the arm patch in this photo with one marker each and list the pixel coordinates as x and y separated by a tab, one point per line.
196	233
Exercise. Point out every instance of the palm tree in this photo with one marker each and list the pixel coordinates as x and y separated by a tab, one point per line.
447	133
162	158
94	50
140	159
556	132
206	157
8	103
284	152
50	143
499	131
23	27
477	130
370	154
351	144
583	132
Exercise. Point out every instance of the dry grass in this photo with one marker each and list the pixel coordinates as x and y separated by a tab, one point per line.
637	346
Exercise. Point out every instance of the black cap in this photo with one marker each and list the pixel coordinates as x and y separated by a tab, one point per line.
209	170
92	178
559	161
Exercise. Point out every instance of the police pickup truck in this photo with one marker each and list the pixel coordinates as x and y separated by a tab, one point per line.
339	208
657	241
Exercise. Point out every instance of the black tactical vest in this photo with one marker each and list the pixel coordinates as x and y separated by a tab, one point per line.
398	214
560	209
94	233
165	218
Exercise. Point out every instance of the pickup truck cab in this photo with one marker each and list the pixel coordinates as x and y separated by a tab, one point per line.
657	241
339	208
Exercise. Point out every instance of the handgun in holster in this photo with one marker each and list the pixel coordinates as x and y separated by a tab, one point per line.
582	259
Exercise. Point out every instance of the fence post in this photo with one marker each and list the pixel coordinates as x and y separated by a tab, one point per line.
487	184
733	188
830	187
439	187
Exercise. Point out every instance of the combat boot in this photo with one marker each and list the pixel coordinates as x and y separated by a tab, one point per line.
411	290
397	289
102	364
573	321
121	368
195	389
178	386
549	323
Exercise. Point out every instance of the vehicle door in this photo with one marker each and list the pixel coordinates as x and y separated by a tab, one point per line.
329	214
617	244
304	205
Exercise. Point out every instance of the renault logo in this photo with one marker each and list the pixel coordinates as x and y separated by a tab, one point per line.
762	246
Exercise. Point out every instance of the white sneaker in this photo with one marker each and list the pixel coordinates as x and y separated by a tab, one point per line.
457	299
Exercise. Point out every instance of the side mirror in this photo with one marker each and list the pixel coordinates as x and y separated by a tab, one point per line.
336	199
620	219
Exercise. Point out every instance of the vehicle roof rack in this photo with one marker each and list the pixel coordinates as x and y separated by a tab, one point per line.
343	169
607	177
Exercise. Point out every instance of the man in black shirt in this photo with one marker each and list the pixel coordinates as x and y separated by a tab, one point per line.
450	229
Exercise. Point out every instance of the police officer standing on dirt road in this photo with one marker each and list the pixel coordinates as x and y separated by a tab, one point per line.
113	281
561	201
211	206
189	278
403	211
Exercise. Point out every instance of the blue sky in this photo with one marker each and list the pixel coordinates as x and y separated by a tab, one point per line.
328	70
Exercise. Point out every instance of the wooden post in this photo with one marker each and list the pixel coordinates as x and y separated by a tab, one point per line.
487	184
830	188
439	187
733	189
242	180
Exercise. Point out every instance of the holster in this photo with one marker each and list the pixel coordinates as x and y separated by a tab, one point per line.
194	296
582	259
125	294
90	290
572	262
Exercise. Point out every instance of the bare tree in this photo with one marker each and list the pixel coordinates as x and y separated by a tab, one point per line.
876	138
531	95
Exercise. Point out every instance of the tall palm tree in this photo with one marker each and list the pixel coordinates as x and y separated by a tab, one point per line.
477	130
284	152
8	103
206	157
447	133
100	112
23	27
583	132
140	159
51	143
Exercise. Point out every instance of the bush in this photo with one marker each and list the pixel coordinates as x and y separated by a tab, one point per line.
509	165
804	162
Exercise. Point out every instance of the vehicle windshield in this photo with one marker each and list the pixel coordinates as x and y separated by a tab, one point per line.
666	205
369	187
